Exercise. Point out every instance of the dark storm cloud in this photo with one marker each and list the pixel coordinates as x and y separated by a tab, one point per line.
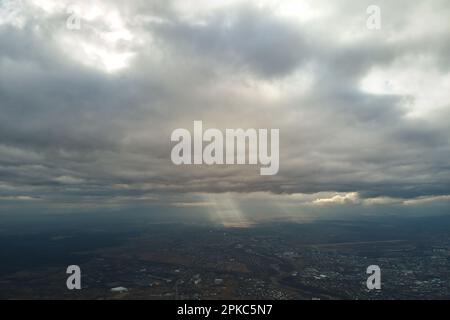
242	37
73	130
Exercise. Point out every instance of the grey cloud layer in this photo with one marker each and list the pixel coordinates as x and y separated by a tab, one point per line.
72	131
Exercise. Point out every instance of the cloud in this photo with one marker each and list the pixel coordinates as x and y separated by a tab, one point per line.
18	198
245	37
68	180
87	114
339	199
425	200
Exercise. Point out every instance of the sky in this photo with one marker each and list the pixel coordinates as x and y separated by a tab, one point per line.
90	92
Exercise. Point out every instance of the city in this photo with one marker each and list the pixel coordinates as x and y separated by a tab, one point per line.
321	260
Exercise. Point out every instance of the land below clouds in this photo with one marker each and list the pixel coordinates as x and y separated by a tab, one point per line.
277	260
